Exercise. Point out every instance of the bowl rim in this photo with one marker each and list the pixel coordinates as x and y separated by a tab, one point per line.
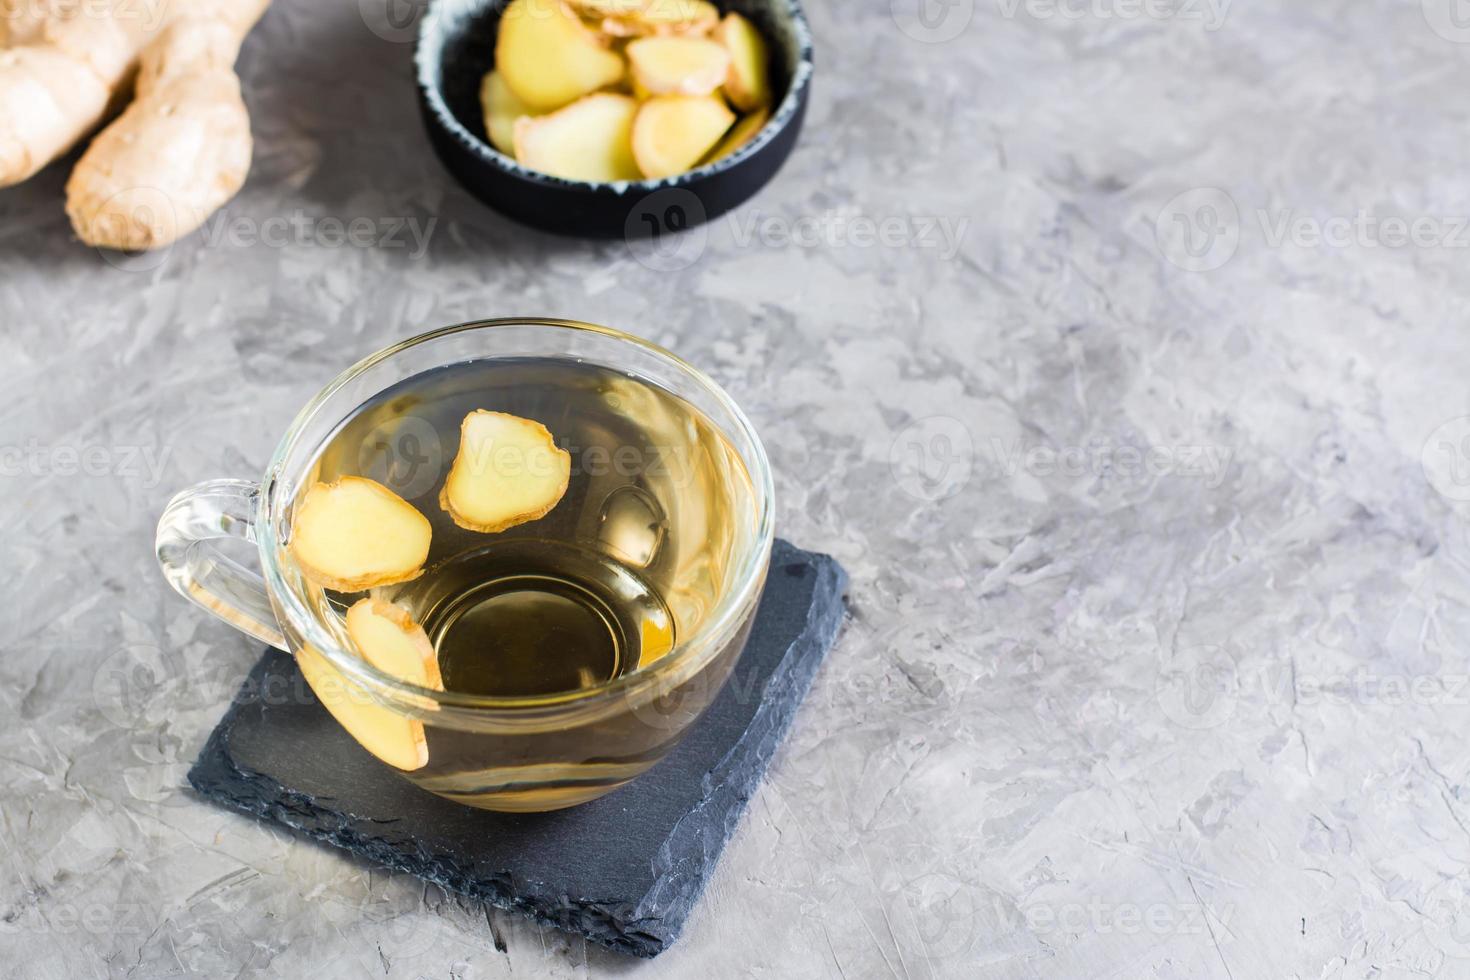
428	57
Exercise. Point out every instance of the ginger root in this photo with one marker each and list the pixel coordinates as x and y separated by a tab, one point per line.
23	21
178	153
57	79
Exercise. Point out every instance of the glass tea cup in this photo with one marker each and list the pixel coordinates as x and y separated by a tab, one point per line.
498	751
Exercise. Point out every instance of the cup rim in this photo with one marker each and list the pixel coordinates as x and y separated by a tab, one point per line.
683	661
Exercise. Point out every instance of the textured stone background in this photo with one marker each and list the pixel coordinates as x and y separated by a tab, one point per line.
1158	666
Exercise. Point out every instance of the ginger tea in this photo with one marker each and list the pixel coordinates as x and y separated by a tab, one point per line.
633	556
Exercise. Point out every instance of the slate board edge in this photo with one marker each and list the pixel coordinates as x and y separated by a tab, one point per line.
266	798
685	861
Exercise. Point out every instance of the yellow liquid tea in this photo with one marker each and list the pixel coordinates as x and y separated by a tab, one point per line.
632	559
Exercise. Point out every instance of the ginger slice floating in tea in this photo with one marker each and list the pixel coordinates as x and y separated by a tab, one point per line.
389	639
356	534
508	471
678	65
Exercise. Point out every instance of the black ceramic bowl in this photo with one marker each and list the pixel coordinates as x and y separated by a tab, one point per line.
456	47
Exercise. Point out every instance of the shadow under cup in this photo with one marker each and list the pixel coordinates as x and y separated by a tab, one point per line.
473	743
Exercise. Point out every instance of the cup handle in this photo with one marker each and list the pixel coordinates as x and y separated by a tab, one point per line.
200	572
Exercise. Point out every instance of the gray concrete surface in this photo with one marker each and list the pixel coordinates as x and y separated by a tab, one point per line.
1117	349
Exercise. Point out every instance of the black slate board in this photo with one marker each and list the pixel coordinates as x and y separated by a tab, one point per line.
285	759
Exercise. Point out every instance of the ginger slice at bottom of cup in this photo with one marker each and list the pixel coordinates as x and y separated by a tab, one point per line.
389	639
508	471
356	534
385	636
389	736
